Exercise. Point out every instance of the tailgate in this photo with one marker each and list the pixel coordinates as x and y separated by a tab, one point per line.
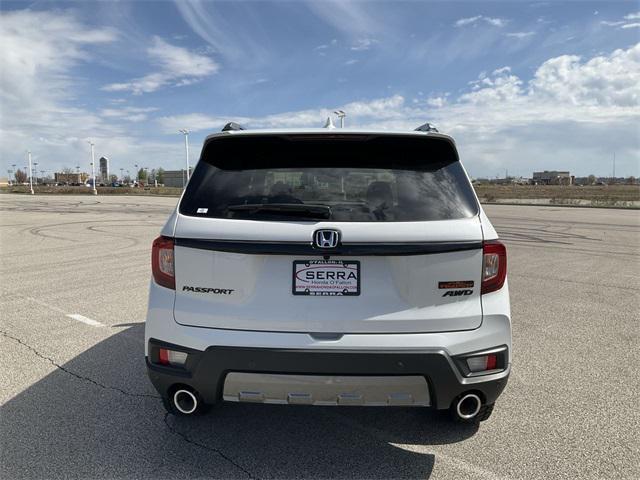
406	276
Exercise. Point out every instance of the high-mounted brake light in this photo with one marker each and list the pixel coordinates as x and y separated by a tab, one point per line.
162	262
494	266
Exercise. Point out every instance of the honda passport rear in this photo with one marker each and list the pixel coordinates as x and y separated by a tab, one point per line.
329	267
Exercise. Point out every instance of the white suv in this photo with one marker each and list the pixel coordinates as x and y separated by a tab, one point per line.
329	267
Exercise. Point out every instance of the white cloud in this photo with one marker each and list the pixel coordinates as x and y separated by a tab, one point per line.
626	22
363	44
389	107
130	114
520	35
180	62
603	81
437	102
498	71
238	42
38	51
353	19
571	114
177	66
40	87
496	22
467	21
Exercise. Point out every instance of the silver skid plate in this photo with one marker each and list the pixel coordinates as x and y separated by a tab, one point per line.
326	389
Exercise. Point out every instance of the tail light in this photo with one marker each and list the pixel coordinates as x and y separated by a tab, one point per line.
162	262
494	266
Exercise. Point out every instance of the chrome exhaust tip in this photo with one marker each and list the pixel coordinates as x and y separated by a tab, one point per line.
185	401
468	406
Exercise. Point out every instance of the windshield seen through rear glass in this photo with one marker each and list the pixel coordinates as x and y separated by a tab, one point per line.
353	179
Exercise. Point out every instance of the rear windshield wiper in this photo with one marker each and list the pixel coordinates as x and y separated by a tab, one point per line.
289	209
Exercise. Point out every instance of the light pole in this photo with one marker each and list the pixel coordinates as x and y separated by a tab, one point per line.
122	175
14	172
137	173
30	172
185	132
341	115
93	167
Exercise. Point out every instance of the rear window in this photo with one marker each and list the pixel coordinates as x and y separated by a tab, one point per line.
349	178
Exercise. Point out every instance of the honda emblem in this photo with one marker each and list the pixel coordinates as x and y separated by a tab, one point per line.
326	238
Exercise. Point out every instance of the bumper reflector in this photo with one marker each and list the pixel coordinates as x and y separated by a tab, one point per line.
482	362
171	357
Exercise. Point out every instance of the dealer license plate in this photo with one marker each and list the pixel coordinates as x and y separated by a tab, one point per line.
326	277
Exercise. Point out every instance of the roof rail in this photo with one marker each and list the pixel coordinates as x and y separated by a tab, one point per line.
427	127
232	126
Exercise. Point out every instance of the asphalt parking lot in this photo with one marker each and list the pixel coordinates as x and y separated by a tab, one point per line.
76	401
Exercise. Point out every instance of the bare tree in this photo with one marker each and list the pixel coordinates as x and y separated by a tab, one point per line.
20	176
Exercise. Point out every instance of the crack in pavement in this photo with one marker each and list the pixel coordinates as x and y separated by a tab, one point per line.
76	375
124	392
206	447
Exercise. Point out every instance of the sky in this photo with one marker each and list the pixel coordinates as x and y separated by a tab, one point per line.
520	85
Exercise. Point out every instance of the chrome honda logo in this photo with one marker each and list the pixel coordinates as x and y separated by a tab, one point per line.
326	238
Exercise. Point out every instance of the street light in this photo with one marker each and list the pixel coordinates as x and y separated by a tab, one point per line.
30	172
341	115
122	175
137	173
185	132
93	167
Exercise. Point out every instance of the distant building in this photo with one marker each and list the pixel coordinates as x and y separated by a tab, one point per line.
174	178
104	169
552	177
509	181
70	178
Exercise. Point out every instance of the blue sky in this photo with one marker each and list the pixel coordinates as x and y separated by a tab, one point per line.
520	85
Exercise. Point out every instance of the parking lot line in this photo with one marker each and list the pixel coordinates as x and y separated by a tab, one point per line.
83	319
74	316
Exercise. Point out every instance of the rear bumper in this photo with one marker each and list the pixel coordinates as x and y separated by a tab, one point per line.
206	371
